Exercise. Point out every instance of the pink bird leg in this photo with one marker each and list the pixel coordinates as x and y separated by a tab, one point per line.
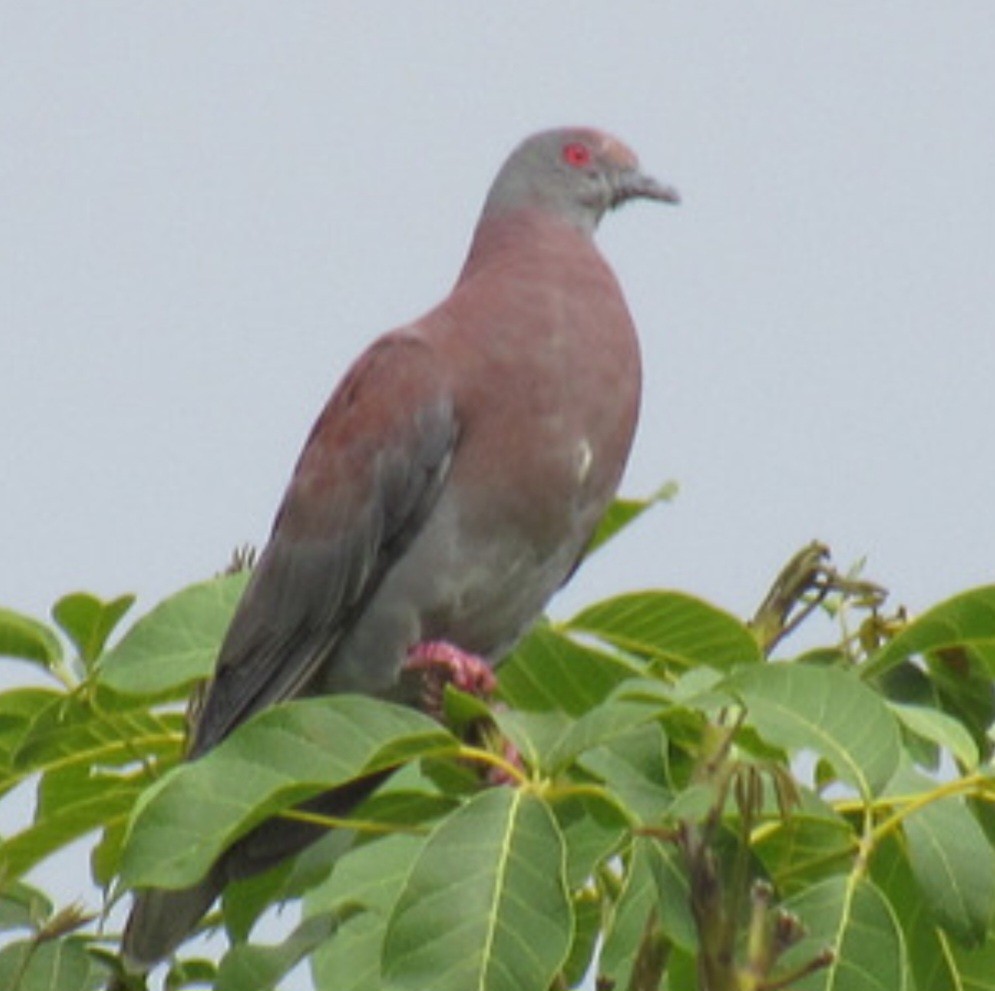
441	663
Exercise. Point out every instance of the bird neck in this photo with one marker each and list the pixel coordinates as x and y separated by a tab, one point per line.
516	235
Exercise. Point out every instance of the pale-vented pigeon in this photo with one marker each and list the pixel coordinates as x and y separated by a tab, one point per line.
449	486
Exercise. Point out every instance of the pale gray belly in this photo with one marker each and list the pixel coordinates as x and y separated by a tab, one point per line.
477	590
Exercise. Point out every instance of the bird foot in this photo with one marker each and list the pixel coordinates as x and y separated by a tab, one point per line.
440	664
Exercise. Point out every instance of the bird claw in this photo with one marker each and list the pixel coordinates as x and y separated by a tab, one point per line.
439	664
442	664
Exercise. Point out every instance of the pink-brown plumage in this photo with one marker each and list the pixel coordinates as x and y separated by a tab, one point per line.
451	483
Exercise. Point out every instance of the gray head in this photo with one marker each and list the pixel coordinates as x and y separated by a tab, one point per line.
577	173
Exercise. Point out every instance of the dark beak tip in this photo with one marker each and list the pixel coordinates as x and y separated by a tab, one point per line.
665	194
638	185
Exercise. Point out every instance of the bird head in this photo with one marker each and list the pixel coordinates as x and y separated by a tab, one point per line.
577	173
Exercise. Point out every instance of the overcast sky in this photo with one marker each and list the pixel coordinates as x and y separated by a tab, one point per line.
207	210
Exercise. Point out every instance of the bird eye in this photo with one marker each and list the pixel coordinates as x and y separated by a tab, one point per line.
576	155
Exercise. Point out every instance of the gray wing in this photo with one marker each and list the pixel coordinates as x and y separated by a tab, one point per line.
367	479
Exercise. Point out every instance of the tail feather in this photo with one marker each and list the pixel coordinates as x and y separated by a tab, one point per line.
161	919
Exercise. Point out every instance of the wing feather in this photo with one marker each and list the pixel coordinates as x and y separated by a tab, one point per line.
367	479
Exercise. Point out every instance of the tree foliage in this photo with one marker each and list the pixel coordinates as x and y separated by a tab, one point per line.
653	798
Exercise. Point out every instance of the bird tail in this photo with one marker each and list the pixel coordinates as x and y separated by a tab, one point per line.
161	919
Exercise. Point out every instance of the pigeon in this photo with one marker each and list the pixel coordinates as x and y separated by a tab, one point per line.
448	488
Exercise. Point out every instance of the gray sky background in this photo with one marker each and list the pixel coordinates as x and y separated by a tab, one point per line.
207	210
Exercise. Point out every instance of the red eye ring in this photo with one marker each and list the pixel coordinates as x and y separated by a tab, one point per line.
576	154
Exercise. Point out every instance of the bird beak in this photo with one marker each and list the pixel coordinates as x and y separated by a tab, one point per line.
632	184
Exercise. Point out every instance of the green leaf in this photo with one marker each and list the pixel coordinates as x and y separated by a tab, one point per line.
628	916
853	918
587	929
928	960
176	643
938	727
632	765
105	855
966	620
23	907
243	902
593	828
682	970
827	710
622	512
52	965
75	733
673	894
534	734
804	849
370	876
485	907
250	967
196	972
27	639
975	968
72	803
67	741
549	671
184	822
19	709
614	717
671	627
951	859
404	807
89	621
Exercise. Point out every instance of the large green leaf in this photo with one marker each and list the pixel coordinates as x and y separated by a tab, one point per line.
966	620
371	877
951	858
88	621
485	907
177	642
853	918
827	710
549	671
928	961
275	760
975	968
672	627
